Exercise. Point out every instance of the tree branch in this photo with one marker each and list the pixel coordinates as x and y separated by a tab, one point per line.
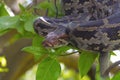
104	64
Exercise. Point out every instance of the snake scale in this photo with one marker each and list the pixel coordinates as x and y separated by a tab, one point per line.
88	25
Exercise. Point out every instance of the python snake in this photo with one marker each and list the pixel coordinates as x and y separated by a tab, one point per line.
96	34
92	25
88	25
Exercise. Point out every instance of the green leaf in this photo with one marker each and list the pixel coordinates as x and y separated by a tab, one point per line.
116	77
20	27
3	11
29	25
37	41
85	62
62	50
22	8
112	53
25	24
7	22
44	5
47	6
35	50
48	69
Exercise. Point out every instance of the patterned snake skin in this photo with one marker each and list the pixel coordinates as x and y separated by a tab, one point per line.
89	25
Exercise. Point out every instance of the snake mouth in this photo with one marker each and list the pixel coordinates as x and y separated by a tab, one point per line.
53	40
54	43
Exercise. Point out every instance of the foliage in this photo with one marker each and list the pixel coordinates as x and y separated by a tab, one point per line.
3	11
49	72
3	62
49	67
85	61
117	76
53	10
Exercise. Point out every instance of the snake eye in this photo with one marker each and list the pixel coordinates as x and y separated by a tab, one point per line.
44	33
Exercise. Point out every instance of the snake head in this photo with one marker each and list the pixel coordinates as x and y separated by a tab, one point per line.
43	26
54	33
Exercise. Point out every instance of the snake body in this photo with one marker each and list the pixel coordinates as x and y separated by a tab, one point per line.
100	34
95	9
103	36
92	25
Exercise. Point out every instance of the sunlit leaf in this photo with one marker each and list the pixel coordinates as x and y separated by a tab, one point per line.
3	11
3	61
7	22
3	64
112	53
48	69
35	50
85	62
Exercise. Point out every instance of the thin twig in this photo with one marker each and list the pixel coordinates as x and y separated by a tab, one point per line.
56	8
111	67
46	14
